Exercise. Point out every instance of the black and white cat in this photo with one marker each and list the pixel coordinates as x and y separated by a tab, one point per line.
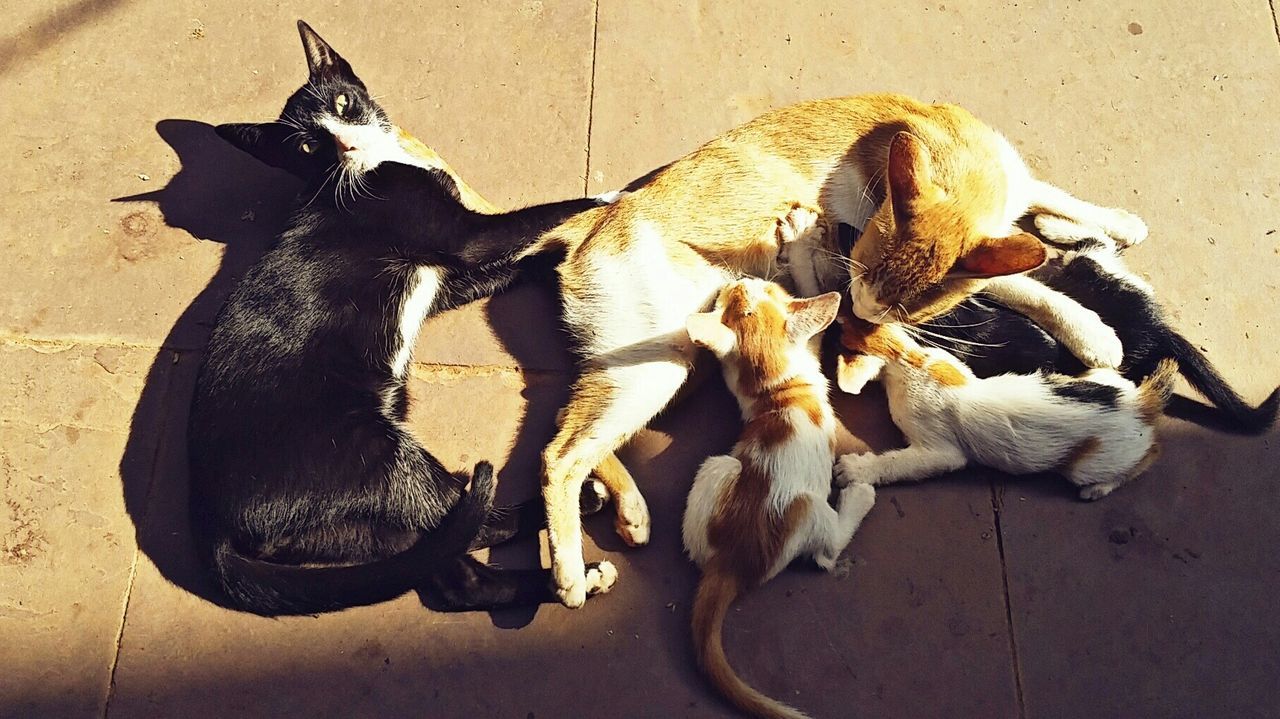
307	492
994	340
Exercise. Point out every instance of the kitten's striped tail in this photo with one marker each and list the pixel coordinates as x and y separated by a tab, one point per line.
1156	389
716	591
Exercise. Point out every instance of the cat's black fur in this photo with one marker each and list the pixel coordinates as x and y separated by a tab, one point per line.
307	492
993	340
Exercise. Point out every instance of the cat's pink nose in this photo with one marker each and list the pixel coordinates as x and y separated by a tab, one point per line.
344	145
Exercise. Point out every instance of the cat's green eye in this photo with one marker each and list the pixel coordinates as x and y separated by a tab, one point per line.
307	147
340	103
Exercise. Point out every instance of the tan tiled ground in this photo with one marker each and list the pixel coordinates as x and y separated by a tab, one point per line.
976	597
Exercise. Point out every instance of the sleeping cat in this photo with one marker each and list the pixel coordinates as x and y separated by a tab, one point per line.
754	511
931	184
993	340
1096	430
308	493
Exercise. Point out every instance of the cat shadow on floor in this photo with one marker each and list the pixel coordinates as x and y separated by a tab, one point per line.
219	195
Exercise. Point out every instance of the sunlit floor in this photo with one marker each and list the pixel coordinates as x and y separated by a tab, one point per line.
971	596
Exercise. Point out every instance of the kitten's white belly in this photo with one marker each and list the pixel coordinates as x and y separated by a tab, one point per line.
421	295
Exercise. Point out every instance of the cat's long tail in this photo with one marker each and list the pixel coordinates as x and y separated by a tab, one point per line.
1233	413
272	589
716	591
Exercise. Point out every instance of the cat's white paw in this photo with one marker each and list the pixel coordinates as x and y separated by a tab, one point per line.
571	585
853	469
859	497
632	523
1095	344
795	224
601	577
1126	228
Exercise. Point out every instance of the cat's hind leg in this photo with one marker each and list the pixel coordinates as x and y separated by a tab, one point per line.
1123	226
833	529
1101	465
910	464
609	403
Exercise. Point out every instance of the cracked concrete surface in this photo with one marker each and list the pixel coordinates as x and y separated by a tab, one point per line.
127	222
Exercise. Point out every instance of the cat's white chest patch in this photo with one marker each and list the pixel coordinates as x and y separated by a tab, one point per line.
421	294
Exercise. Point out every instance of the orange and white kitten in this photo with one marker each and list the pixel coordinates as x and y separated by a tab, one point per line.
1097	429
753	511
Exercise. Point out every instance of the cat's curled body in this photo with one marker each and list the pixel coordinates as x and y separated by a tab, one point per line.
307	491
1097	430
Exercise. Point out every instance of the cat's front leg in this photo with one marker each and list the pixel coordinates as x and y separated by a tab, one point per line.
1125	227
1076	326
910	464
796	224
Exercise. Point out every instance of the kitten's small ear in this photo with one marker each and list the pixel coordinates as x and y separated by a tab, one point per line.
706	330
321	58
998	256
910	173
263	140
809	317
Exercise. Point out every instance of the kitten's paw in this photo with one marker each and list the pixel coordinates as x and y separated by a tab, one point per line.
852	469
798	222
593	498
1097	491
859	496
1126	228
632	523
601	577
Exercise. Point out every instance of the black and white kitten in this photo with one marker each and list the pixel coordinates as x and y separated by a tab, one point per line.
307	492
993	340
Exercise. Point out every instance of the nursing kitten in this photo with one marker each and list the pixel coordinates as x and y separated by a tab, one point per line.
931	184
993	340
308	493
752	512
1096	430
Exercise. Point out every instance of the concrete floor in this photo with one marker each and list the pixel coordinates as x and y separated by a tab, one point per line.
971	597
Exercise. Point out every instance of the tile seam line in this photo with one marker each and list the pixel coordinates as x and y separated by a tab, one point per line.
591	100
1275	23
1008	602
133	568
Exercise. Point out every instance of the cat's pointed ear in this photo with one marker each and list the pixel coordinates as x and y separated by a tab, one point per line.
321	57
263	140
910	173
810	316
706	330
998	256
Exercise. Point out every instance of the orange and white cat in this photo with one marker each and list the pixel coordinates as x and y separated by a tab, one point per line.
936	191
753	511
1097	430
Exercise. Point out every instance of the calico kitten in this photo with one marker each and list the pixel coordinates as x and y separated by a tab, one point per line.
993	340
931	184
1096	430
308	493
752	512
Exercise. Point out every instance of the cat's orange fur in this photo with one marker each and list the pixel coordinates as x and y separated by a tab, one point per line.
939	227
